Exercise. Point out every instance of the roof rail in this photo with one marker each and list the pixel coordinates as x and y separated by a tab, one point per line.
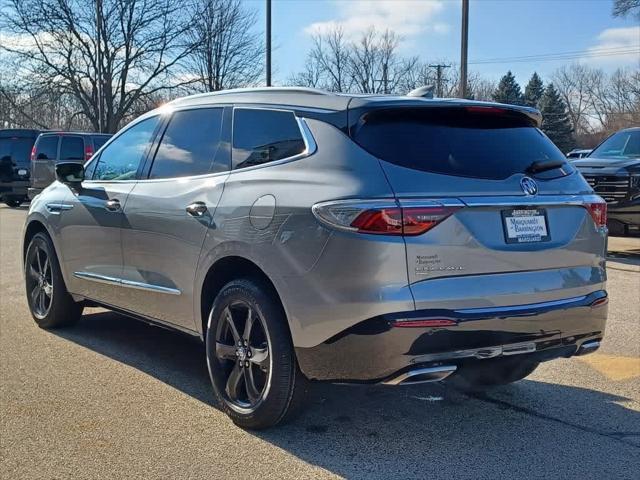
236	91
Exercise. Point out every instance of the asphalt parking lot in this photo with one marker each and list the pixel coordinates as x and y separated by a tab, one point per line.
114	398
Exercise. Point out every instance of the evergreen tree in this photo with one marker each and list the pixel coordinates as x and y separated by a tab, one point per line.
555	119
533	91
508	91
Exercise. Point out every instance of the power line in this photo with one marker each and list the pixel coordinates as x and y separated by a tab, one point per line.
561	56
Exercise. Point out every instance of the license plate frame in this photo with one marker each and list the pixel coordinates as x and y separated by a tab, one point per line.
525	212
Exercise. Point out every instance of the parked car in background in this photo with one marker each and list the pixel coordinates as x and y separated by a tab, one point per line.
53	147
302	234
15	147
578	153
613	171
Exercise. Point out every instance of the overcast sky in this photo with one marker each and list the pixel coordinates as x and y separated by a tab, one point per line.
498	29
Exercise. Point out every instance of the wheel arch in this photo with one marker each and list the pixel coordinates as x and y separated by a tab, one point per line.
32	228
224	270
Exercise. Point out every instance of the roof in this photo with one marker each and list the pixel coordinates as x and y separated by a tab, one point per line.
83	134
312	98
18	132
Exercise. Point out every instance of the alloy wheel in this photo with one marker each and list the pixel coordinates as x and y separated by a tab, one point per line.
39	281
242	350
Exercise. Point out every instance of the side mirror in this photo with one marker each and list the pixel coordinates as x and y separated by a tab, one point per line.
70	172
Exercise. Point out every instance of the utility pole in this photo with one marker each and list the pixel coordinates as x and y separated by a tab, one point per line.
439	67
99	63
464	48
268	43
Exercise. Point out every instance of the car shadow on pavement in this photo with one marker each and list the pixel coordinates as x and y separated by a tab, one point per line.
413	431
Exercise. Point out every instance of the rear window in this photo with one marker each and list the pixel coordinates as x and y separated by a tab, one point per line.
47	148
72	148
485	144
16	150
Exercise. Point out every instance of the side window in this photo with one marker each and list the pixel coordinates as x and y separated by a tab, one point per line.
262	136
71	148
189	144
47	148
120	159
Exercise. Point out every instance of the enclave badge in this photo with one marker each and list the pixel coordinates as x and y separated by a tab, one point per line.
529	186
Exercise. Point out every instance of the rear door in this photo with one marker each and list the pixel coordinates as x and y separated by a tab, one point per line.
169	212
43	160
515	203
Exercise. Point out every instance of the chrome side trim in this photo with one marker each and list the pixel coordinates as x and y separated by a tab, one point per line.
422	375
516	308
150	288
95	277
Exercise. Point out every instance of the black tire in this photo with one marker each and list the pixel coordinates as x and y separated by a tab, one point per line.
49	301
12	202
493	372
268	389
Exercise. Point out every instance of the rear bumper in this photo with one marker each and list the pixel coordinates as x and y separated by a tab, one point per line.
14	189
378	349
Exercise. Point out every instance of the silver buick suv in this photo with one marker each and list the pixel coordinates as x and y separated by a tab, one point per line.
306	235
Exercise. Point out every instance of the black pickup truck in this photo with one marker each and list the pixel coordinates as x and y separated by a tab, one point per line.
15	163
613	170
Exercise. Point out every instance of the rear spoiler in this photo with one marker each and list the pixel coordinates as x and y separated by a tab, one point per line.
418	99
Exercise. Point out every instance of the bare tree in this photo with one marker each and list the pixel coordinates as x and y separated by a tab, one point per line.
622	8
331	55
576	84
375	66
51	46
227	53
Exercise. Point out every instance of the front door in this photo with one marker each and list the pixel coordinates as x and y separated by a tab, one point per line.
168	214
92	216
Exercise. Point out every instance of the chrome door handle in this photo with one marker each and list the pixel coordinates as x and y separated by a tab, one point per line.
112	205
196	209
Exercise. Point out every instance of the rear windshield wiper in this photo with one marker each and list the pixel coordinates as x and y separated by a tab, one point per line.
543	166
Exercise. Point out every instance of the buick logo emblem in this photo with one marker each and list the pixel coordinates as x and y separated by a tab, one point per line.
529	186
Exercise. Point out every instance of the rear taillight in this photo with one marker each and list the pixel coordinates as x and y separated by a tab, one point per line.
33	153
382	218
88	152
598	211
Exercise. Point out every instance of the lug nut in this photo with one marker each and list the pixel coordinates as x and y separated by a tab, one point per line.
246	364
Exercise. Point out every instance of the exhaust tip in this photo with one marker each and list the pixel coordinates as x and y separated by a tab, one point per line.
588	347
422	375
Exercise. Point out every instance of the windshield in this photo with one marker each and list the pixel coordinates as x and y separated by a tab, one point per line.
625	144
455	141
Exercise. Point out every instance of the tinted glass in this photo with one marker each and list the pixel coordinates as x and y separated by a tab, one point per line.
71	148
189	144
455	141
622	144
120	159
262	136
14	151
99	142
47	148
